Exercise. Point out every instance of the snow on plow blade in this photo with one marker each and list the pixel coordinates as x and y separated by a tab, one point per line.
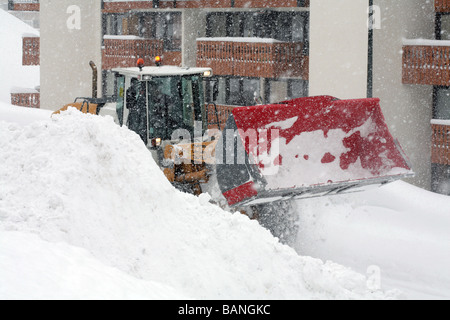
304	148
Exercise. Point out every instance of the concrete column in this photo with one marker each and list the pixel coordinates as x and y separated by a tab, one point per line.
407	108
194	26
339	48
70	37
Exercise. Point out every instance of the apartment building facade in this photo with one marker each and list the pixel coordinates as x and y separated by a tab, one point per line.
268	51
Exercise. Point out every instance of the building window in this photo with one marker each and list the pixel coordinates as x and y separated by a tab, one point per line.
242	91
251	91
441	179
285	89
297	89
165	26
283	26
113	24
442	103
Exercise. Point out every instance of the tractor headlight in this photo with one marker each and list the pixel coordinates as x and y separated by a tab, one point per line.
156	142
207	73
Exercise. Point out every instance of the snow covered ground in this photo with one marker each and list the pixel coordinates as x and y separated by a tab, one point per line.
400	231
82	181
95	218
12	73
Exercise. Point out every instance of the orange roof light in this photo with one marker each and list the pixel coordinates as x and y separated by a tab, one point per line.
140	63
158	61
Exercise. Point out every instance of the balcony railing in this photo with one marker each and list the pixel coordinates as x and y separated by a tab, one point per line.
125	6
30	51
123	51
23	5
426	64
27	98
440	153
442	6
250	57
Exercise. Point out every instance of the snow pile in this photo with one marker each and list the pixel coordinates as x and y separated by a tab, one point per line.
21	115
35	269
12	73
82	180
400	229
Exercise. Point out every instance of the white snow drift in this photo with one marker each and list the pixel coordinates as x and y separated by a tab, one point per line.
82	180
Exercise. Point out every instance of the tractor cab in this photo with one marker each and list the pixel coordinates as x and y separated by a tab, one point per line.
162	103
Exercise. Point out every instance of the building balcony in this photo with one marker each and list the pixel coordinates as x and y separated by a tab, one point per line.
442	6
126	6
23	5
25	97
30	51
427	62
440	153
124	51
252	57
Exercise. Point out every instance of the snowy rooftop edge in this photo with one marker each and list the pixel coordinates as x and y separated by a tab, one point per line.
122	37
440	122
241	39
426	42
15	90
31	35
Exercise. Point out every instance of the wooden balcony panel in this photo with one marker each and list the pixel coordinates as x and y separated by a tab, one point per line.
426	65
252	59
126	6
440	153
30	100
268	3
30	51
24	5
123	53
442	6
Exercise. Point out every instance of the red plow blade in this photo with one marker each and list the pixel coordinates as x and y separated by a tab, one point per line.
308	147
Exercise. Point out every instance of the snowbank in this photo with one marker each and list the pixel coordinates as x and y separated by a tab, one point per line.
12	73
82	180
401	229
34	269
22	115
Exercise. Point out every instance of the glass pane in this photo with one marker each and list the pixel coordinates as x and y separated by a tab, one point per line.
137	106
443	104
297	28
217	24
297	89
159	97
445	33
120	98
176	31
188	103
251	91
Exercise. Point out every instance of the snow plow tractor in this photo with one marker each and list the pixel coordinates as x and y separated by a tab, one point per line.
263	155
